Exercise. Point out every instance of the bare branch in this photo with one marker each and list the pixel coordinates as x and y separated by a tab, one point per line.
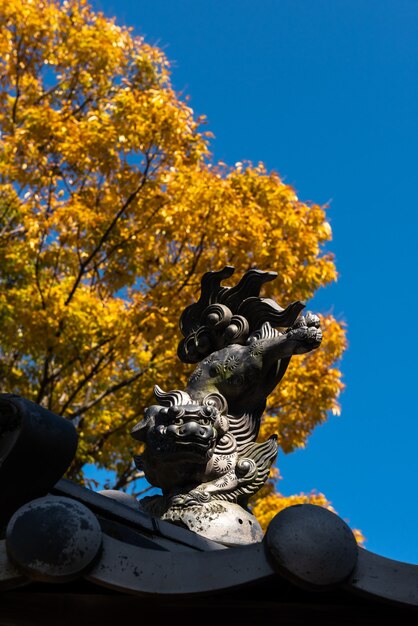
84	265
196	257
133	233
49	91
14	109
141	493
58	372
110	390
130	479
125	478
45	376
83	382
5	232
18	43
38	270
78	109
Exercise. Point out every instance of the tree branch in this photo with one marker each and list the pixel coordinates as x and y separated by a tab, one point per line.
94	370
38	270
84	265
126	240
141	493
113	389
49	91
18	43
121	481
197	255
45	376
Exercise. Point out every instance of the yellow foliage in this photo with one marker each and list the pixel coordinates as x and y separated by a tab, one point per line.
268	502
110	212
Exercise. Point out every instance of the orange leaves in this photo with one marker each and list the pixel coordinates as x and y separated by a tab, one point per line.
154	121
87	92
110	212
269	502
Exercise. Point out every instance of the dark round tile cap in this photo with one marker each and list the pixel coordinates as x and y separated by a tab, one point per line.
53	539
311	546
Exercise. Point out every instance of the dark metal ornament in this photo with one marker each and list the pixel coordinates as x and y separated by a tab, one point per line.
53	539
31	437
312	546
208	463
227	315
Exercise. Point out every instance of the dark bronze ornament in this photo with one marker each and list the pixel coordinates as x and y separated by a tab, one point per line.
201	447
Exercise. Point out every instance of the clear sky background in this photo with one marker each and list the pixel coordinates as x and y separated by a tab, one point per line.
325	93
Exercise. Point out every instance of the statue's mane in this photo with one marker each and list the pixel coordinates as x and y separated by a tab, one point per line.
226	315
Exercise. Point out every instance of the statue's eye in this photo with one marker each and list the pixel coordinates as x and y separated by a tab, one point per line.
207	414
175	415
208	411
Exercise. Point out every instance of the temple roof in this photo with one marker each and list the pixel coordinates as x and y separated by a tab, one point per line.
108	556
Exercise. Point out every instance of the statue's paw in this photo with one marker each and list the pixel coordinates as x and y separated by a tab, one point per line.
195	497
307	333
310	320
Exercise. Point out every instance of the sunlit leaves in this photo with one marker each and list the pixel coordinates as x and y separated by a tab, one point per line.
268	502
110	212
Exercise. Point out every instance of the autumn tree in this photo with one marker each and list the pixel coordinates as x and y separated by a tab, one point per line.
111	209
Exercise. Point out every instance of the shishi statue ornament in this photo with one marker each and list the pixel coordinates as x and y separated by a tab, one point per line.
200	443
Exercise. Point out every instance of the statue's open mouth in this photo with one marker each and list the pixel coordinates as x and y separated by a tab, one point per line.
201	447
187	450
194	444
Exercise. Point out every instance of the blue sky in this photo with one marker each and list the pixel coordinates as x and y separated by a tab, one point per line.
325	93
